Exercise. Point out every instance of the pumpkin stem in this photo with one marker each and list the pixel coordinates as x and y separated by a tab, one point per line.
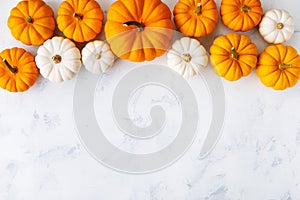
98	55
29	19
186	57
13	70
140	27
284	66
78	16
234	54
198	9
245	8
280	26
57	59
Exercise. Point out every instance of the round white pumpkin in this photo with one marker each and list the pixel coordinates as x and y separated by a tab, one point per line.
58	59
277	26
187	56
97	57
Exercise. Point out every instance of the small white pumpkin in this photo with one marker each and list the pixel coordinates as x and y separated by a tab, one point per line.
58	59
187	56
277	26
97	57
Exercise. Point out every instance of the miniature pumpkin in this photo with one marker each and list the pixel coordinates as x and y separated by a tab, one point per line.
241	15
188	57
233	56
279	67
97	57
139	30
18	71
58	59
32	22
80	20
277	26
196	18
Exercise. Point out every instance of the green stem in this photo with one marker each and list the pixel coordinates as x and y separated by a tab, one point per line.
13	70
29	20
284	66
234	53
245	8
198	9
140	27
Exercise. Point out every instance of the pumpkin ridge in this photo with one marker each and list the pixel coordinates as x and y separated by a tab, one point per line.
277	77
279	83
287	79
271	55
4	82
24	13
44	27
251	67
38	9
292	74
291	60
221	47
90	28
86	12
128	11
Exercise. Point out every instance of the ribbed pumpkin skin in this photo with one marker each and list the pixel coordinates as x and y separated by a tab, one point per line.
195	23
222	57
32	22
270	70
241	15
127	42
80	20
27	72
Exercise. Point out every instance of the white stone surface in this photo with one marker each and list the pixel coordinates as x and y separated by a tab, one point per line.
257	157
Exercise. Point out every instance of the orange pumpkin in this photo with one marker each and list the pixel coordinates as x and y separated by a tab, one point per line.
279	67
139	30
196	18
18	71
80	20
32	22
233	56
241	15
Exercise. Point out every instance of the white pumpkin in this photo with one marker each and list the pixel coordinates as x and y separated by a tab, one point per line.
97	57
277	26
187	56
58	59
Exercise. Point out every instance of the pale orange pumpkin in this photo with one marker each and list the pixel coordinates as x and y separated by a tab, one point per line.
233	56
279	67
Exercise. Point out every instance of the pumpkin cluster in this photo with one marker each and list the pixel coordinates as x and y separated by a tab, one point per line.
233	55
142	30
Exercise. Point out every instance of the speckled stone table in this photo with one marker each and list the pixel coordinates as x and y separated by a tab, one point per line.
257	156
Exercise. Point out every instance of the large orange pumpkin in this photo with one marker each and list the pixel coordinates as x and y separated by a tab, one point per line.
18	71
279	67
139	30
196	18
80	20
241	15
32	22
233	56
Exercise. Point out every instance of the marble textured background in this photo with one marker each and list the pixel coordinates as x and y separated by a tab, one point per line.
257	157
